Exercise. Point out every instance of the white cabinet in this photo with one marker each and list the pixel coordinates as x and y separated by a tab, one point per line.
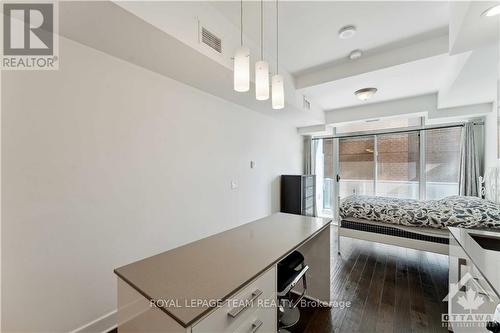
251	310
471	300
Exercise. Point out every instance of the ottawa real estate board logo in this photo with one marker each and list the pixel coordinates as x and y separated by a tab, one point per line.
472	307
30	40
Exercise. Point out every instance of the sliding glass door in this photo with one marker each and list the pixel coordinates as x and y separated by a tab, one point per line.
356	174
442	154
398	165
383	165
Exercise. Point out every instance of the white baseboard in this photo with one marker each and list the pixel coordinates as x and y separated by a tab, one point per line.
102	324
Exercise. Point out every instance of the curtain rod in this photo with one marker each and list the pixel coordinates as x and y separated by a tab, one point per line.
395	131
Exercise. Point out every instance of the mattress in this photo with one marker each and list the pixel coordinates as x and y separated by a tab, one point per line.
454	211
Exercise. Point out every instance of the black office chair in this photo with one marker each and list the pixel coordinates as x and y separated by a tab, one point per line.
291	270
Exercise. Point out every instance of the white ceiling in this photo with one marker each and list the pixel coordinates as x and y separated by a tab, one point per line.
410	79
308	29
469	29
406	48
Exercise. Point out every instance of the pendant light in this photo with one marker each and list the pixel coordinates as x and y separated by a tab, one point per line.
261	66
278	89
241	62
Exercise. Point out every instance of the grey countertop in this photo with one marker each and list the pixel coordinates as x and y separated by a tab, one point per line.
216	267
487	261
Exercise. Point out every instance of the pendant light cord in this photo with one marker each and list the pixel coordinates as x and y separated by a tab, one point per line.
277	38
261	29
241	22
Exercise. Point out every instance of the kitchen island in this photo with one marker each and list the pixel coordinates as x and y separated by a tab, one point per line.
199	286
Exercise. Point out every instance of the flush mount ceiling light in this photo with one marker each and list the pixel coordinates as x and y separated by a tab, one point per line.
493	11
241	62
347	32
356	54
365	93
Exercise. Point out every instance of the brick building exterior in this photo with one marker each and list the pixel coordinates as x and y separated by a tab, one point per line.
398	156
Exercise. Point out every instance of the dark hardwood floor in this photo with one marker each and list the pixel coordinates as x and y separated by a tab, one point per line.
391	289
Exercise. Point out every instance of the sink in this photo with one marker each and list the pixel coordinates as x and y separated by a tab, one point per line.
487	242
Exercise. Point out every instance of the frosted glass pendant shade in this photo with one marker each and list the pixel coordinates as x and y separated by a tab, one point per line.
278	92
261	80
242	69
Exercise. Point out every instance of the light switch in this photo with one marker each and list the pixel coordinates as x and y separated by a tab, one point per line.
252	164
234	185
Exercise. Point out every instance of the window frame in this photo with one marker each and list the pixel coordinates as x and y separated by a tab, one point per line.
420	130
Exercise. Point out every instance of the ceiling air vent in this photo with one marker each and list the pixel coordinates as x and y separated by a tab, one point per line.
211	40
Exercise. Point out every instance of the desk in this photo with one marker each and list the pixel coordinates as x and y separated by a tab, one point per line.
227	267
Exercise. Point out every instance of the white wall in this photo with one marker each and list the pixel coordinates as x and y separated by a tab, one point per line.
105	163
491	139
491	149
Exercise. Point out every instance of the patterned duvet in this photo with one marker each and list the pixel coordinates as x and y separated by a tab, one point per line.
456	211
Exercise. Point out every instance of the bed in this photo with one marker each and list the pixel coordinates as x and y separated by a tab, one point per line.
420	225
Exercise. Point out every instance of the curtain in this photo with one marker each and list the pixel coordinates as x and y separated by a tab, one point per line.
469	183
308	156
